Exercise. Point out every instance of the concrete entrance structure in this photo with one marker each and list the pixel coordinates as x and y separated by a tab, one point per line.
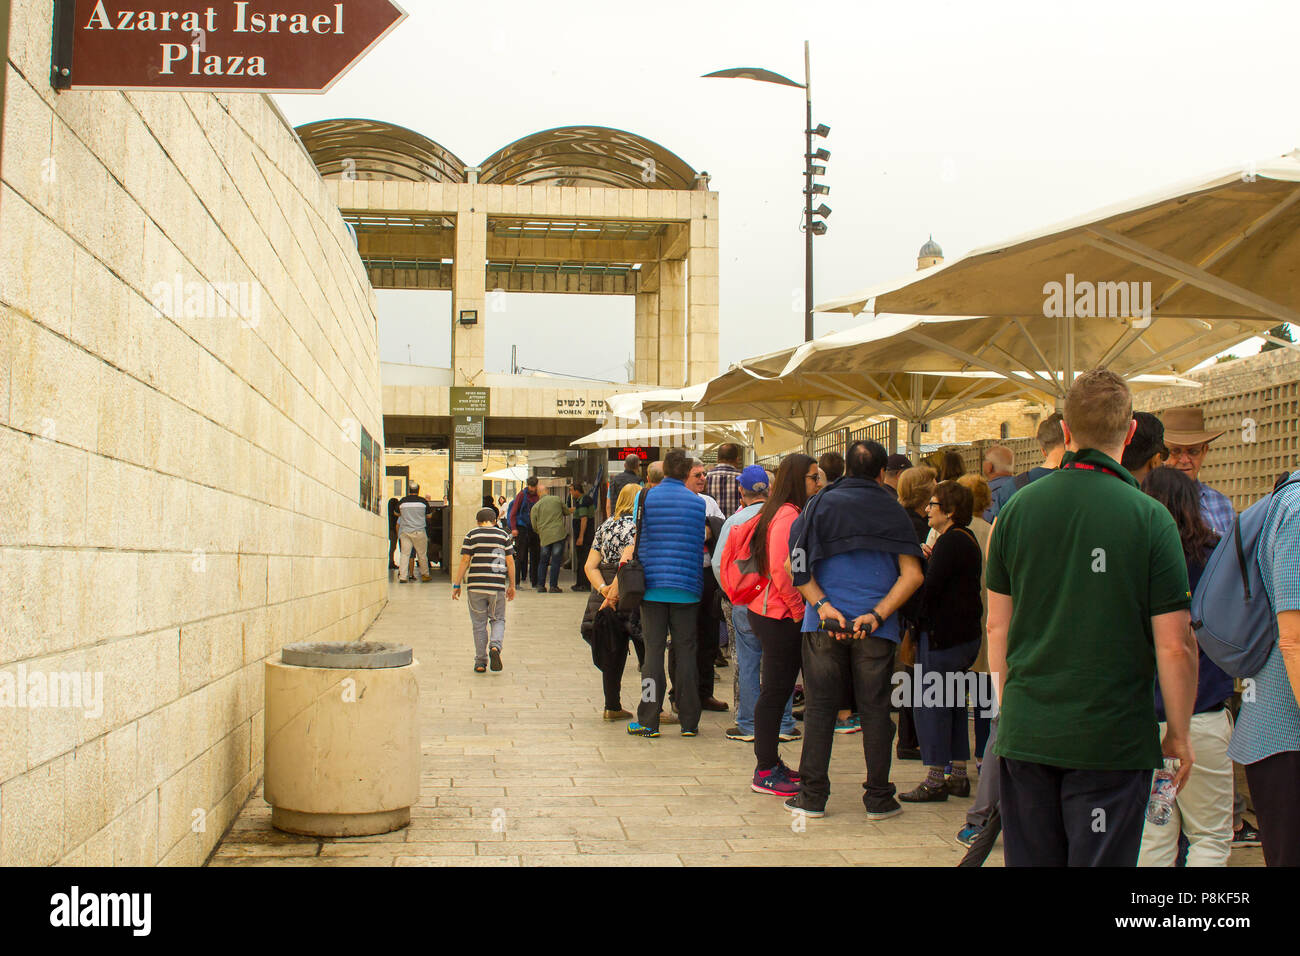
580	209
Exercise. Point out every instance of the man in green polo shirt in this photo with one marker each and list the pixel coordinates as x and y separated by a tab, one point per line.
1087	605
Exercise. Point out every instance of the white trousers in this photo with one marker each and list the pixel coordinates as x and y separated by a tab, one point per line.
1203	808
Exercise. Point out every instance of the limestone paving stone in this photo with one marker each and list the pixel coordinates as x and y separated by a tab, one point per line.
519	766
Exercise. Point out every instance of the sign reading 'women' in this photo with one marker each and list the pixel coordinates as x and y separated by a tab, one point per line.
273	46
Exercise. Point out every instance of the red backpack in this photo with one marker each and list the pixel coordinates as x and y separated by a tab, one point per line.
742	580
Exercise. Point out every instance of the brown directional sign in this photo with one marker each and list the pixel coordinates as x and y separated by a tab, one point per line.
268	46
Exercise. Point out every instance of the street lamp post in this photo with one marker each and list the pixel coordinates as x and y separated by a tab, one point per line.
812	225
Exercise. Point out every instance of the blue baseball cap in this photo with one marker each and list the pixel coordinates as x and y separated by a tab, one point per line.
753	478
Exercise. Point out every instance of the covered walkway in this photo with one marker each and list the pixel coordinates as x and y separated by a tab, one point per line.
520	769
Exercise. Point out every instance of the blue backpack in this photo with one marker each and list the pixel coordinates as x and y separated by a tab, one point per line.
1231	615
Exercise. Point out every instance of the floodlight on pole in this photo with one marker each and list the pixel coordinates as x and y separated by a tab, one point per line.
810	227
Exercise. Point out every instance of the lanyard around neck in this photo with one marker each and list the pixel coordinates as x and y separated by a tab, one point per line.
1084	466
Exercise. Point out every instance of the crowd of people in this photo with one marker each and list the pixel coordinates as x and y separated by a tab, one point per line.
1048	609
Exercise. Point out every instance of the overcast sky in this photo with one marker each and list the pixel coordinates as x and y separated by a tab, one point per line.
971	121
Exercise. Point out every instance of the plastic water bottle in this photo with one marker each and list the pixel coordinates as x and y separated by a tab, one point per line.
1161	805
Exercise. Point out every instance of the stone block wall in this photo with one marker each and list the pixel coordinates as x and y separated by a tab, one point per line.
188	351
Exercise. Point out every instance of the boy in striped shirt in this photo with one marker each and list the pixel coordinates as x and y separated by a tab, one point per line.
488	554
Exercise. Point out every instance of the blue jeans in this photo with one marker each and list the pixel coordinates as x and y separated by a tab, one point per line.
552	556
749	658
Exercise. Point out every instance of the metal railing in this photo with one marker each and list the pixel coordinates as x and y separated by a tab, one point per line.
885	432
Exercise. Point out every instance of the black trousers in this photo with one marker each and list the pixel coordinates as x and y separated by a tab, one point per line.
611	677
528	556
907	738
866	664
658	620
392	546
706	637
1274	783
1057	816
580	552
782	656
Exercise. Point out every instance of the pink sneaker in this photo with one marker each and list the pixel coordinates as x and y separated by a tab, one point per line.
775	781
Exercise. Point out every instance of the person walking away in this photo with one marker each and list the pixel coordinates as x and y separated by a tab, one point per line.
412	516
1202	810
949	644
584	532
487	566
1266	738
1187	444
611	539
722	483
754	483
527	547
668	545
999	472
855	559
654	473
775	615
1087	592
548	525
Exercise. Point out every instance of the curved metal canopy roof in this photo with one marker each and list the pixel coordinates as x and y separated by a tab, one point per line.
566	156
588	156
378	150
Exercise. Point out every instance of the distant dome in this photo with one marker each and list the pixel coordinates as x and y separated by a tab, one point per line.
930	249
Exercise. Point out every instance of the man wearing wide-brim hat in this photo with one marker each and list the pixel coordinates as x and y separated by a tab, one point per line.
1188	441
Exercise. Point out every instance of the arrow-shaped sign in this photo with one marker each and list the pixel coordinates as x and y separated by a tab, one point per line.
268	46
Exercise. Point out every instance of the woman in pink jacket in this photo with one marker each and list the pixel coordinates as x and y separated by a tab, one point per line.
776	615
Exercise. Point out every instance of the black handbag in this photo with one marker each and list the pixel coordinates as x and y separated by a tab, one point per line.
631	575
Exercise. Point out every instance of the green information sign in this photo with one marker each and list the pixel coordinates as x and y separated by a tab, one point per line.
469	401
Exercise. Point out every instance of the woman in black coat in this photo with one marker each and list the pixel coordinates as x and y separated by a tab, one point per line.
608	630
950	641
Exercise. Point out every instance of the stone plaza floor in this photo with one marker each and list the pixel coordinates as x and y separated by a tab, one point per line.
520	770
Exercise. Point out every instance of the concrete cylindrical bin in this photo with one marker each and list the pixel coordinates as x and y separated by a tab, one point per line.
342	738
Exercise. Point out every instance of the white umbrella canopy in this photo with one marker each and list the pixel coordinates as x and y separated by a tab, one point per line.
671	412
517	473
634	406
1155	284
814	392
923	367
1221	246
616	436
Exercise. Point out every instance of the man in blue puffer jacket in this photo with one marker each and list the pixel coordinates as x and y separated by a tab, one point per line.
671	542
